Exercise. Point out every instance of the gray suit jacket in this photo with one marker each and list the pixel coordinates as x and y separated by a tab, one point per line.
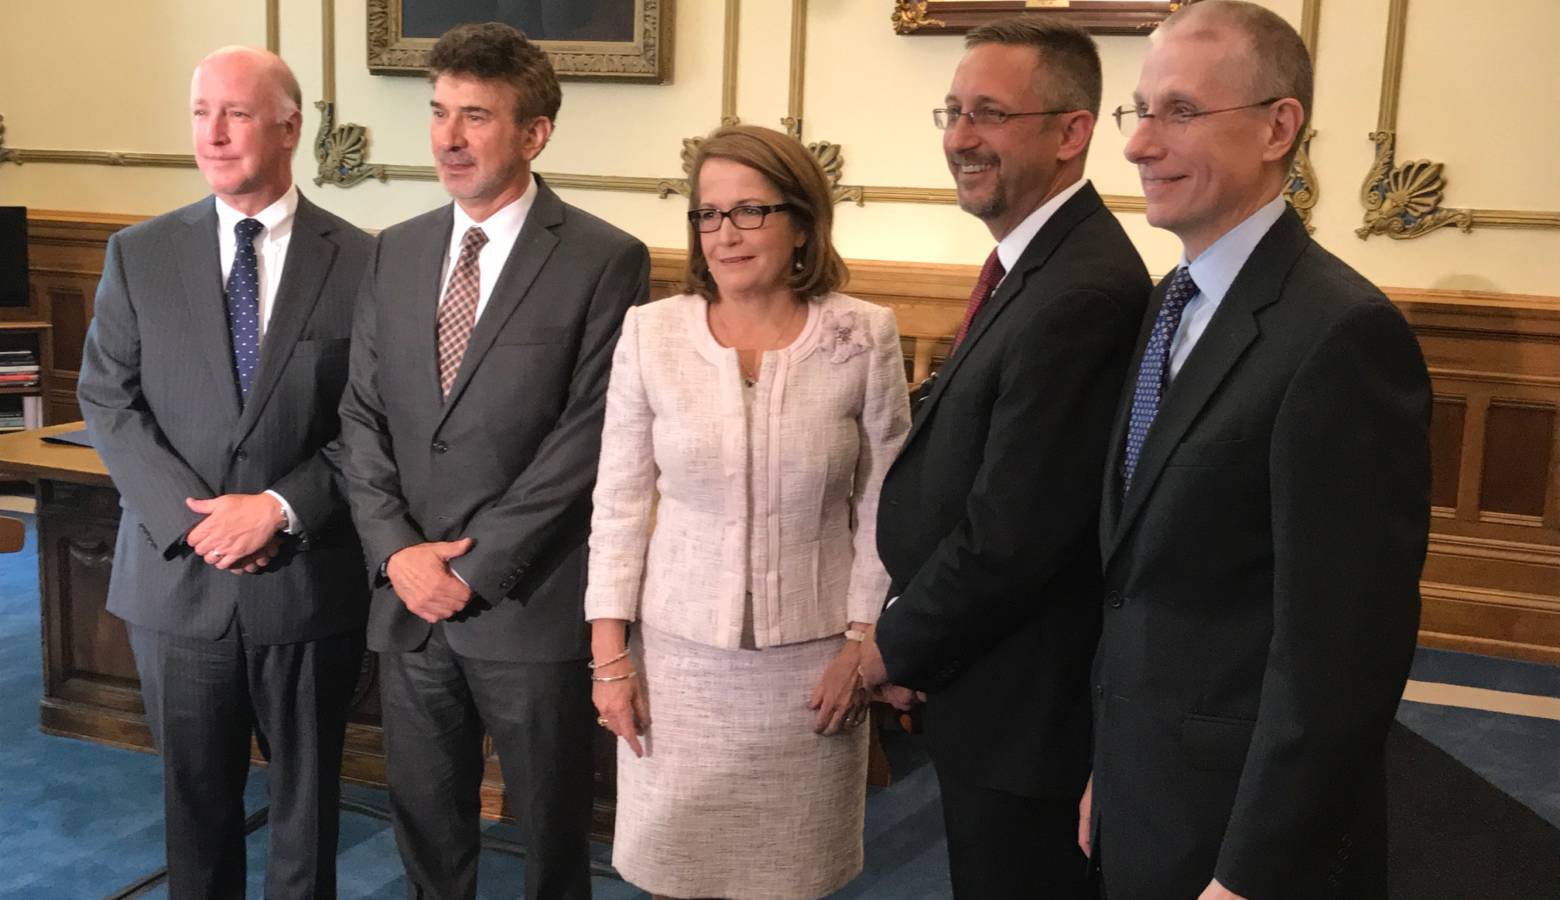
162	407
510	459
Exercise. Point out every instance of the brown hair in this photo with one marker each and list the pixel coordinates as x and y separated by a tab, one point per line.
798	177
1068	64
493	51
1280	62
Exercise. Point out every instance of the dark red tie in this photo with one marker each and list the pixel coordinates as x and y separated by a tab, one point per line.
990	275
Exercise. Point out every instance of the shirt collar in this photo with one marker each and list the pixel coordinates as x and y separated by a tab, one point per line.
1215	269
1011	247
503	226
277	218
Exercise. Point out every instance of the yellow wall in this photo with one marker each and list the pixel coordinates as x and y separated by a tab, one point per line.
1476	87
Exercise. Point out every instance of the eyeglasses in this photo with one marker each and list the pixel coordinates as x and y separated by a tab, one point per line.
946	118
746	218
1129	117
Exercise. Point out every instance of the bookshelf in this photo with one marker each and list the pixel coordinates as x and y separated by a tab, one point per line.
23	345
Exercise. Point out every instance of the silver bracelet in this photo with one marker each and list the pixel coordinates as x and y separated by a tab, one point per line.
608	679
597	665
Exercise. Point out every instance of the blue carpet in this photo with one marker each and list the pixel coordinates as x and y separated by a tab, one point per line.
81	820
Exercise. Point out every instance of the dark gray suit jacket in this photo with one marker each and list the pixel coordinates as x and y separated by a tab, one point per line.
162	407
510	459
1262	581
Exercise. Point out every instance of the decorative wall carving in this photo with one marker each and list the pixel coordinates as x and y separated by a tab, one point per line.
342	151
1404	201
1301	190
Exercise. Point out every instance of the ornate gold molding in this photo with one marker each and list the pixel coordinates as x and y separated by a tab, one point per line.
6	155
1301	190
909	16
1404	201
728	68
102	158
342	151
273	26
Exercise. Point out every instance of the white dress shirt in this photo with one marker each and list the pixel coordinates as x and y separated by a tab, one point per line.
1213	271
270	245
270	256
502	229
1015	242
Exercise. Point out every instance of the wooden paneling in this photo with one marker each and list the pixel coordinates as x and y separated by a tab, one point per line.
1492	580
1447	418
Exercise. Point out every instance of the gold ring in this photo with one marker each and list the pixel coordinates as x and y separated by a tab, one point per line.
602	721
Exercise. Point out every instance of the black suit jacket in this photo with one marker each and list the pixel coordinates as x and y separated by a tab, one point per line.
1263	593
510	459
162	407
987	521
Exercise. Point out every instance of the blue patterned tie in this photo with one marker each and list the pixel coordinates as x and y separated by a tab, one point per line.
243	300
1154	369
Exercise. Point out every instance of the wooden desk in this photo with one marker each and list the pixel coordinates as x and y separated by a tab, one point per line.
90	687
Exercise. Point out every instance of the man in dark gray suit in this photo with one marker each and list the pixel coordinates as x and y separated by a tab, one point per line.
473	422
209	382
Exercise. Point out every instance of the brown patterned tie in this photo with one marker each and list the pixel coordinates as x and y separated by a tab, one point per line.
990	274
458	312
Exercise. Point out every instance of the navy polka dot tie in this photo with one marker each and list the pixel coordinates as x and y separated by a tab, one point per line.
1153	371
243	300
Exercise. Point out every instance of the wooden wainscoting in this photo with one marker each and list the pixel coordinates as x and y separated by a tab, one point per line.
1492	581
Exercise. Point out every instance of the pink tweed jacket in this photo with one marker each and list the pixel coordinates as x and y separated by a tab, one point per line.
828	415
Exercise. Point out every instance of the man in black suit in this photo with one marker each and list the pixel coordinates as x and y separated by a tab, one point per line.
209	383
1266	509
473	419
988	517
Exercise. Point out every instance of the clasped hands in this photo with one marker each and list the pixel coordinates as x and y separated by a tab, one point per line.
241	533
874	677
422	578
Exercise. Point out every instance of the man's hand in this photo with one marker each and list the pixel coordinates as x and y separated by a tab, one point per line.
422	579
1217	891
873	672
235	528
249	565
900	698
1085	812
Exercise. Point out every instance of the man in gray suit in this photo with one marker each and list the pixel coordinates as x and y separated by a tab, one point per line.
473	422
209	382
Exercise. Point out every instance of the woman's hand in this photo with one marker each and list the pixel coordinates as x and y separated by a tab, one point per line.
839	697
622	707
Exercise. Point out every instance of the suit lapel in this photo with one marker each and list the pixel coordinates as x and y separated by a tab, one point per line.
200	268
310	255
1118	436
424	342
532	248
1045	242
1231	330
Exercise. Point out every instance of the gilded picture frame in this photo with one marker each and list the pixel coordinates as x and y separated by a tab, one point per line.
596	40
1129	17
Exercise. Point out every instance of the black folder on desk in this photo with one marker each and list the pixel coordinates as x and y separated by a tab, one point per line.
77	438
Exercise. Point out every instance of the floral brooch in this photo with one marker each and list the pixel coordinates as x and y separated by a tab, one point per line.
844	334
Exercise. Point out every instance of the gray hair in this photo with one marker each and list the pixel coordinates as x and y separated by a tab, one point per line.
1280	62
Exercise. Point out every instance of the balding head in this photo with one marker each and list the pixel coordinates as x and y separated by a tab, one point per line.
265	67
246	118
1275	62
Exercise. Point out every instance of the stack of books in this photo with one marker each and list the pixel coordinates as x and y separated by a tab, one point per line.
18	368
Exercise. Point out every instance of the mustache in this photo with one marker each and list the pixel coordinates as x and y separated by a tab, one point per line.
972	159
456	158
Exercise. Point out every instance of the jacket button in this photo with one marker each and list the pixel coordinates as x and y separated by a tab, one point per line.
241	454
1099	690
440	447
1115	599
